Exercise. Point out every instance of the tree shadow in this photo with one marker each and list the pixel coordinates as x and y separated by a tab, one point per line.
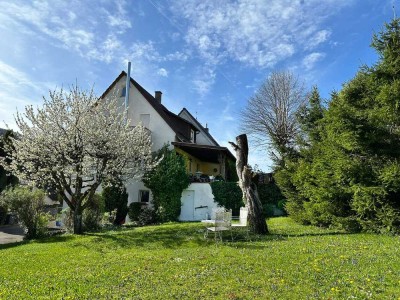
14	244
165	237
170	236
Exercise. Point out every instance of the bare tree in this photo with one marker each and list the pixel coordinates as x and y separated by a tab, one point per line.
270	115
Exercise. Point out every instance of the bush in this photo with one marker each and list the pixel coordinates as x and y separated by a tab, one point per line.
282	206
166	182
93	214
228	195
3	214
28	203
268	209
147	216
116	197
134	211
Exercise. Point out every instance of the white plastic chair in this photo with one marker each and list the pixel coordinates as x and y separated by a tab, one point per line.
243	215
222	222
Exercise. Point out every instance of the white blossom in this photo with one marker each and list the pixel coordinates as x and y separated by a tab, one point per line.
75	142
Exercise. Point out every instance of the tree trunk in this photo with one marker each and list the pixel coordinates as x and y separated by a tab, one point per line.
78	221
256	215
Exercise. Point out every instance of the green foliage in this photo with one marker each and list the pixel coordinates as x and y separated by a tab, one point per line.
166	182
134	211
5	178
28	203
93	214
347	174
147	216
174	261
231	174
228	195
116	197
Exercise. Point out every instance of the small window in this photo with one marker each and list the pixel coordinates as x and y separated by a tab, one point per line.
123	92
192	135
144	196
145	120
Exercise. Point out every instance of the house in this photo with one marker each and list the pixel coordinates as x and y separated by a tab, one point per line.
182	132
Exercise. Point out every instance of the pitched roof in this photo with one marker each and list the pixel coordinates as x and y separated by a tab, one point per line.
176	123
197	124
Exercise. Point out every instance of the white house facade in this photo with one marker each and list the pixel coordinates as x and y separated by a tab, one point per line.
182	132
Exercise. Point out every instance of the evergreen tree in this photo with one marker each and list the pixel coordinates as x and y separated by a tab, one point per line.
348	174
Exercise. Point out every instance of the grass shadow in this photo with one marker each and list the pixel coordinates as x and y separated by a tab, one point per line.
166	236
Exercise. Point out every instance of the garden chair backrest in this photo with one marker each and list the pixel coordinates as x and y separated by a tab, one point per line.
244	212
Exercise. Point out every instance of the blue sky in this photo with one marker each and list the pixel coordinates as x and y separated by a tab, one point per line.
206	55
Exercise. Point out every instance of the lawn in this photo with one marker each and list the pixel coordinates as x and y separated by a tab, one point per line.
173	261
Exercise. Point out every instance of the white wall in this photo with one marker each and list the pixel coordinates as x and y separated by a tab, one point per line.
161	133
202	196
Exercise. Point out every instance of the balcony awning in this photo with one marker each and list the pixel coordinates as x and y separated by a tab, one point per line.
205	153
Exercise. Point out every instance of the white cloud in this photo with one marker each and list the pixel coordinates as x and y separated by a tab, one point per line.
256	33
17	90
310	60
162	72
318	38
204	79
91	31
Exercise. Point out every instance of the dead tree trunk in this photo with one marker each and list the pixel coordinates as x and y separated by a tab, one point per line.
249	188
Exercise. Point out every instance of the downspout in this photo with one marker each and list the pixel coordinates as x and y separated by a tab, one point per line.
128	81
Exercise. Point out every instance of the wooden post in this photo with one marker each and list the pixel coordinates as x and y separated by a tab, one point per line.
256	215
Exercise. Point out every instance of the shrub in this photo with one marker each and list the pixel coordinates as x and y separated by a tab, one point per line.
147	216
269	193
116	197
93	214
268	209
282	206
28	203
166	182
134	211
228	195
3	214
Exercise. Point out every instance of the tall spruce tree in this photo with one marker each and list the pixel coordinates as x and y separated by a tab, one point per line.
351	176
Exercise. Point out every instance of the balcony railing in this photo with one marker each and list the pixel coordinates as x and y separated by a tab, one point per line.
204	178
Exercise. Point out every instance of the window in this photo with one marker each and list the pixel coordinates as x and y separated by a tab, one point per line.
145	120
123	92
144	196
192	135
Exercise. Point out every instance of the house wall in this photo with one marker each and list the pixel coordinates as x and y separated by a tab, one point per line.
161	133
197	202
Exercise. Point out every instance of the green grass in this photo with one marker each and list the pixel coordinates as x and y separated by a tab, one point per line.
173	261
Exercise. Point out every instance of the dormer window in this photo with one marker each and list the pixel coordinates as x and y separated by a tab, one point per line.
192	135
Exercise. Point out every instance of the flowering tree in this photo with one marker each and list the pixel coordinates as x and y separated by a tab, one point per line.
74	143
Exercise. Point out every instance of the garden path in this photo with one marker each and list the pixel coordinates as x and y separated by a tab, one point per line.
11	234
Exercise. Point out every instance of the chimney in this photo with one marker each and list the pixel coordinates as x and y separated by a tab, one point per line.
206	127
158	95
